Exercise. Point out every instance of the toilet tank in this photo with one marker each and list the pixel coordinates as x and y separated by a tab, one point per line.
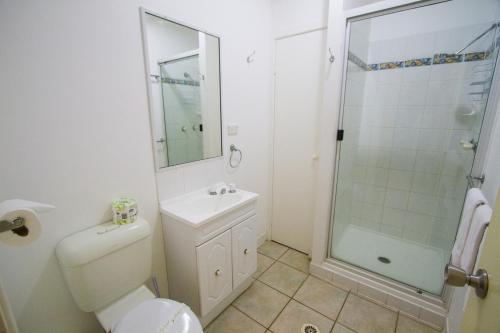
105	262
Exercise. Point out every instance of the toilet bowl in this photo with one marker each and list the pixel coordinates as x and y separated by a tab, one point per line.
159	316
140	311
105	268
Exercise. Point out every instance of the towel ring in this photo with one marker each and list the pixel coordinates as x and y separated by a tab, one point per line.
233	149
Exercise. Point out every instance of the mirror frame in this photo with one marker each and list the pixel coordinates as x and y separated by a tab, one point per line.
143	12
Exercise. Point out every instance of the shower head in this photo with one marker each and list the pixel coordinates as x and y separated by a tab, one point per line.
187	76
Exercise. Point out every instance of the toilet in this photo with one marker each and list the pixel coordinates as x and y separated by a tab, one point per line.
105	268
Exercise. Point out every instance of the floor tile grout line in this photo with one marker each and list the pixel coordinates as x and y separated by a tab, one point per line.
310	308
348	293
397	320
267	256
282	255
279	314
340	311
273	288
274	261
297	290
324	315
246	315
373	301
284	263
298	301
290	299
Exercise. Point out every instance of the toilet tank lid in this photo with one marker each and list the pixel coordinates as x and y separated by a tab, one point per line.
93	243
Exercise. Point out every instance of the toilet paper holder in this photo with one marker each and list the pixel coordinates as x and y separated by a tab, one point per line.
16	226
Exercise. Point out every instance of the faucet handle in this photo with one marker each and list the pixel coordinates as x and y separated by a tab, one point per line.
232	187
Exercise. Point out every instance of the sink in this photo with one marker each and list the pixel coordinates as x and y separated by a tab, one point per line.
198	208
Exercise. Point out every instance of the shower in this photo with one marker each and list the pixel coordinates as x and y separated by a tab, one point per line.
412	115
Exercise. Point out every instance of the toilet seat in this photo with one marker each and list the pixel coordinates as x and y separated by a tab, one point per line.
159	316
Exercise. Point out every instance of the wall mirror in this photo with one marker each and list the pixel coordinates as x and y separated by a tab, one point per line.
183	75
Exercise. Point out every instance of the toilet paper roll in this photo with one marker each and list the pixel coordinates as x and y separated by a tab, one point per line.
31	222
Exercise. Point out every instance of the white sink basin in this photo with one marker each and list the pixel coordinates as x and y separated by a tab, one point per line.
198	207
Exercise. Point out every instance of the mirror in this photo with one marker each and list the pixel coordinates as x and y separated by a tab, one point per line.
182	65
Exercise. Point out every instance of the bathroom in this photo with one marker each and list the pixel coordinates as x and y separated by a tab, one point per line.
85	100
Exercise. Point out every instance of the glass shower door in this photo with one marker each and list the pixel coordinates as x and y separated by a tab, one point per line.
182	109
412	114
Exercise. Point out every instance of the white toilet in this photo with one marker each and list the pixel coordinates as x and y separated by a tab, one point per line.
105	268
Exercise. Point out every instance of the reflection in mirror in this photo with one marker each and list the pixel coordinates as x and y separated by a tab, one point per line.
184	86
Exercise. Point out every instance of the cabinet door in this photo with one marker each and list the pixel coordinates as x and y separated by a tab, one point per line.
214	271
244	250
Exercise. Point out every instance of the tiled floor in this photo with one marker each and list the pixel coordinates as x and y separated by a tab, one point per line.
284	297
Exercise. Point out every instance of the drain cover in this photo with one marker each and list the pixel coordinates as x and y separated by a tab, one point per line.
384	260
309	328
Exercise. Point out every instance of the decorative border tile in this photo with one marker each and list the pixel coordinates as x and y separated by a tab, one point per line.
446	58
177	81
418	62
475	56
391	65
437	59
356	60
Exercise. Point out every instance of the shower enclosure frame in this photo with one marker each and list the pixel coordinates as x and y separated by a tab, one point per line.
322	264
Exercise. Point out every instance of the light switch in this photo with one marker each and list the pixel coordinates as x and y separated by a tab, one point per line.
232	129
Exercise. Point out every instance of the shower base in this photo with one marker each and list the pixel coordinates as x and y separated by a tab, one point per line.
415	264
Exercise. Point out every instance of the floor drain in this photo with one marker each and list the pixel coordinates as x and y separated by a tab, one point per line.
384	260
309	328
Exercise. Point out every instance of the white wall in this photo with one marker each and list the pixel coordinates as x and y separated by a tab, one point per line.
74	127
246	101
296	16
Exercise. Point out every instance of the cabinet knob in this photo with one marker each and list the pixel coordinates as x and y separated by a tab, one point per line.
218	272
245	251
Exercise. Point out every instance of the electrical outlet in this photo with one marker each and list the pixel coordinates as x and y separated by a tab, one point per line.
232	129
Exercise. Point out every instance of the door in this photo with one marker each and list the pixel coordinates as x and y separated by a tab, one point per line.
298	86
481	315
214	271
244	243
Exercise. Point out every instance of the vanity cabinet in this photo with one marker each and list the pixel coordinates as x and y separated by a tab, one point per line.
209	265
244	250
214	271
